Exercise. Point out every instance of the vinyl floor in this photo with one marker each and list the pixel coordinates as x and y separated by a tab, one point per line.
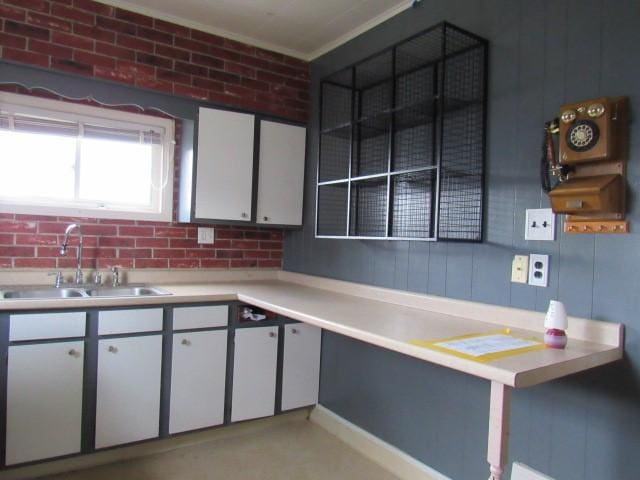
296	450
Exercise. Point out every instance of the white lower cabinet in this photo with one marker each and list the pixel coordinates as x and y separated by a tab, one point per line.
44	401
254	373
198	372
44	385
300	365
128	393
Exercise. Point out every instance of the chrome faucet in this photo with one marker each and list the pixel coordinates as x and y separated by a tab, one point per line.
65	244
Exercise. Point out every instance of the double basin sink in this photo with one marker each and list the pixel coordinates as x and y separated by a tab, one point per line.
24	293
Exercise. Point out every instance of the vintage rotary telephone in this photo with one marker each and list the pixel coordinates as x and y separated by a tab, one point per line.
590	166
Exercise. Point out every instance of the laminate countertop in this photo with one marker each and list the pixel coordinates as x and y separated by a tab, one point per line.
390	319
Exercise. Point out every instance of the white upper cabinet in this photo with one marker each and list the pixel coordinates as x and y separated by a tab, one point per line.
244	168
224	165
280	173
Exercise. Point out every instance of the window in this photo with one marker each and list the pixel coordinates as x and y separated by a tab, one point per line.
60	158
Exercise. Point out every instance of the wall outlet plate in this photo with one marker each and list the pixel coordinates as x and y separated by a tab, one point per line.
205	235
538	270
540	224
519	268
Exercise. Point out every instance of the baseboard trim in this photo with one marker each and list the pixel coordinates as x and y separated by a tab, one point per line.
387	456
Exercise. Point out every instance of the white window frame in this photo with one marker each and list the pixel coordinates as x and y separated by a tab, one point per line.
163	173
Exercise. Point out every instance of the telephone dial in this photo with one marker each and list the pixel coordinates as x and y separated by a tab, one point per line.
586	178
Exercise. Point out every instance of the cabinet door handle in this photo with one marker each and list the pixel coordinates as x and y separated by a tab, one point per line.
273	334
244	215
185	342
73	353
265	218
112	349
295	331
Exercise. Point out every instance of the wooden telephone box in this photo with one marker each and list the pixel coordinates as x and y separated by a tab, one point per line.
593	144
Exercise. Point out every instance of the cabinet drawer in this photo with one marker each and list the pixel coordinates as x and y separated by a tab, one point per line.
200	317
34	326
129	321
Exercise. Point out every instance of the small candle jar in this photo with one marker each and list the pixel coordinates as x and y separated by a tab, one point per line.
555	338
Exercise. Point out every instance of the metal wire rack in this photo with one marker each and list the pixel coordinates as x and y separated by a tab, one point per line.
402	141
368	214
332	219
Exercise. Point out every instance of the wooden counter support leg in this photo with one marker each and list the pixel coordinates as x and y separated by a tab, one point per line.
499	413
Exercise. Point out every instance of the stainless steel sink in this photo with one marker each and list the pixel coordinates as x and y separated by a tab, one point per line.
126	292
33	293
24	293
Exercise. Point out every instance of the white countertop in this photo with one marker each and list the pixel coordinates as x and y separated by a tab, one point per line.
390	319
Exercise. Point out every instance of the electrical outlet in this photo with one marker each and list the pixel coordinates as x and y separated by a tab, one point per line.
540	224
519	268
205	235
538	270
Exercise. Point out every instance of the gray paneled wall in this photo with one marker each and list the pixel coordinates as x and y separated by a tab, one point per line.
542	53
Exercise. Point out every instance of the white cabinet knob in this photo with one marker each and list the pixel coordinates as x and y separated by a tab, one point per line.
273	334
112	349
185	342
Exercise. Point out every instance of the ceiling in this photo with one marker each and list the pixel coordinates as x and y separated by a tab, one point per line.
301	28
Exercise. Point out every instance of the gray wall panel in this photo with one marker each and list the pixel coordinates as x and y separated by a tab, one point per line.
459	272
542	53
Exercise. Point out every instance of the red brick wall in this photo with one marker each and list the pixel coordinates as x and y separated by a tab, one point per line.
96	40
99	41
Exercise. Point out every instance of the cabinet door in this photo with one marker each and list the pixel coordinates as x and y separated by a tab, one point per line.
44	401
224	165
198	375
281	173
254	373
300	366
128	397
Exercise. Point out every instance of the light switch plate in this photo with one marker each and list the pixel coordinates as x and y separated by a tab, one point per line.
519	268
205	235
538	270
540	224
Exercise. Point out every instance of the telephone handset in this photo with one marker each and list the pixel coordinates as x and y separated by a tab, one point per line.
588	131
549	166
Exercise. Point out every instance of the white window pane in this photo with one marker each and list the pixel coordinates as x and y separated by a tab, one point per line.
115	172
36	165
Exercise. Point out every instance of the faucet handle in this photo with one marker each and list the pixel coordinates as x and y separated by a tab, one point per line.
115	277
97	278
59	278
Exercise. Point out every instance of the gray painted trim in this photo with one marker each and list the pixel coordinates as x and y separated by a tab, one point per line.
277	406
90	384
165	373
231	342
4	359
76	86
